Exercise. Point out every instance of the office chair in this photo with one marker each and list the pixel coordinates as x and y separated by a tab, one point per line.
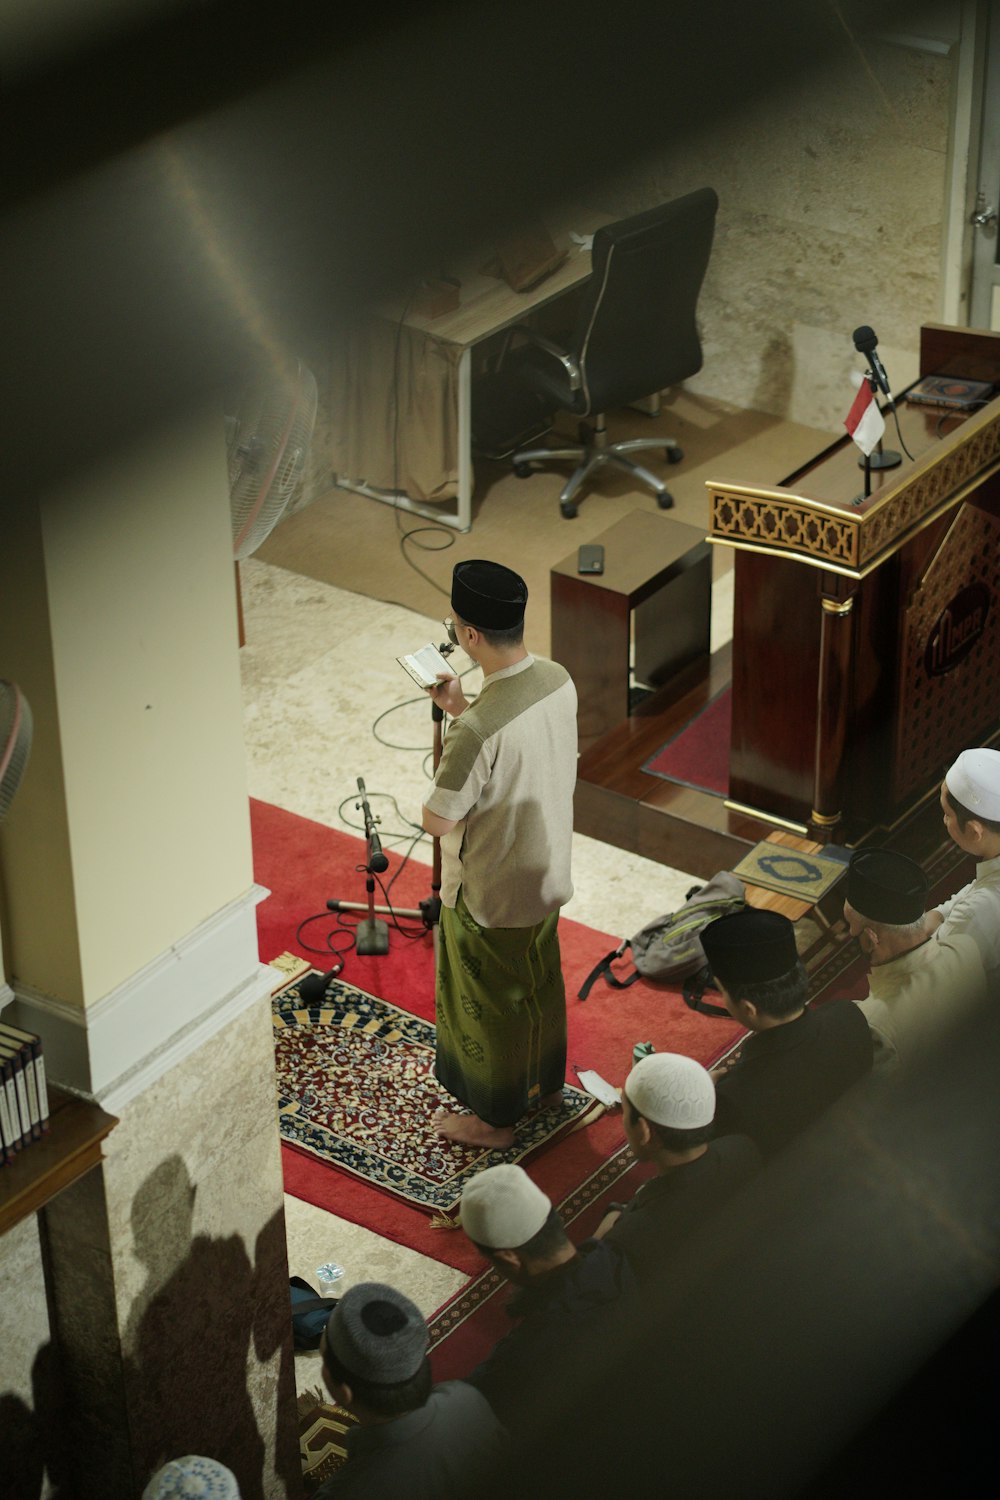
635	335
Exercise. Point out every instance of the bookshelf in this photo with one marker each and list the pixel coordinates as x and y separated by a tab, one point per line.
69	1149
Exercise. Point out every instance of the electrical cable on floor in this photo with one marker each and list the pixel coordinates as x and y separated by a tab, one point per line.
447	536
383	834
329	946
407	703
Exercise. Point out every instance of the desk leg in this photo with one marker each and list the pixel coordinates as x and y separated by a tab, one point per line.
461	518
465	478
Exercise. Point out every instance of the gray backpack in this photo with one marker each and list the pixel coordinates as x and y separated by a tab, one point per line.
668	949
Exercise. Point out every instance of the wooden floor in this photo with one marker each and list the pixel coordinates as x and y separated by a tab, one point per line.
619	802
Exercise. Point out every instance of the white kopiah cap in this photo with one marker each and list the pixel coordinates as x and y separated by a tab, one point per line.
974	780
672	1090
502	1208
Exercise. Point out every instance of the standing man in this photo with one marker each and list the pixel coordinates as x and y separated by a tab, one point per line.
970	802
502	806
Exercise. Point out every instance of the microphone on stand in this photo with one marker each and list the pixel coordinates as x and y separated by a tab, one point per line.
315	986
377	861
866	343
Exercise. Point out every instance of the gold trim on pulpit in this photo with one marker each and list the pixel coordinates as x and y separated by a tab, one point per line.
777	521
766	817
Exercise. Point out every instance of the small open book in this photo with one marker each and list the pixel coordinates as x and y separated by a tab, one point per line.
424	665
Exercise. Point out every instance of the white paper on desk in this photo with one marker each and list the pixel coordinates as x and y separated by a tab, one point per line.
599	1088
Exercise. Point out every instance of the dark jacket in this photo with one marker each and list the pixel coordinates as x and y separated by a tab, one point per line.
669	1207
563	1320
789	1075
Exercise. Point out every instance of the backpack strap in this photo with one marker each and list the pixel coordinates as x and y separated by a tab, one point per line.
694	988
604	967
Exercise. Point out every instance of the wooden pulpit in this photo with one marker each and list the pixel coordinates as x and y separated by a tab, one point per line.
866	642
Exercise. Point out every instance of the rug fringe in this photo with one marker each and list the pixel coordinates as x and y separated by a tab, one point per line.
442	1221
309	1400
596	1110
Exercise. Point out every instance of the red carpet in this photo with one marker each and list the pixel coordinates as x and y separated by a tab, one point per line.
699	755
304	864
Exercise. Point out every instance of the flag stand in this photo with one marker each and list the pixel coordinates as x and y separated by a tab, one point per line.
879	457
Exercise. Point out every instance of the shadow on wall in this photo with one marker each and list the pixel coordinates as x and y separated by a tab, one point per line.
189	1336
34	1437
773	391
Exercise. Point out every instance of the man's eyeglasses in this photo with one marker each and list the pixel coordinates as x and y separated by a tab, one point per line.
449	626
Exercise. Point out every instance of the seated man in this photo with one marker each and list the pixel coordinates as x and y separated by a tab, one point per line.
669	1107
410	1440
970	801
916	986
798	1060
566	1306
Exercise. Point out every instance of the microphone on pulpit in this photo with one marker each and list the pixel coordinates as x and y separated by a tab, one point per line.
866	343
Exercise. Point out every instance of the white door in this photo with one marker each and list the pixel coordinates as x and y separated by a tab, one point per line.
984	300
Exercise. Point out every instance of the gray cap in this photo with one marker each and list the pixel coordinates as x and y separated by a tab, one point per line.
378	1334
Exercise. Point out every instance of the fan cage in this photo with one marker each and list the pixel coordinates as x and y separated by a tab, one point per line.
268	450
16	728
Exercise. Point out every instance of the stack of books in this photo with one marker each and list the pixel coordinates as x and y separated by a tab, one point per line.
24	1099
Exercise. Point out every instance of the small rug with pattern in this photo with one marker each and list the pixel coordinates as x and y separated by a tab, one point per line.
356	1088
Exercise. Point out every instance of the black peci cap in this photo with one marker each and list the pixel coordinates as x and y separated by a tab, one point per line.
750	946
488	595
886	887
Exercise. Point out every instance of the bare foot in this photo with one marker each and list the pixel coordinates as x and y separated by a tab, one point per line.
470	1130
549	1101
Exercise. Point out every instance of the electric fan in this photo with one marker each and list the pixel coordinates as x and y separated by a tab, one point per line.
268	446
15	741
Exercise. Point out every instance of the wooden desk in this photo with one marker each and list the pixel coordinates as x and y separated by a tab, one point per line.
655	591
434	370
70	1148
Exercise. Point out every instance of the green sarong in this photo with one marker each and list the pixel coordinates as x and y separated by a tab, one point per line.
501	1014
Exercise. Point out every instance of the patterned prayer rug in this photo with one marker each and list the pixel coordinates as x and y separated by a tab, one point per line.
356	1088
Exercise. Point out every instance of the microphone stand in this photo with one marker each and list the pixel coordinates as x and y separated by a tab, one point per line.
372	935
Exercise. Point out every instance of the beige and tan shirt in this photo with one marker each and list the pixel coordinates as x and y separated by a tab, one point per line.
914	998
975	910
506	778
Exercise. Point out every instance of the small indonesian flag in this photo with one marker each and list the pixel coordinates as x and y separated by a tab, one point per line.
864	420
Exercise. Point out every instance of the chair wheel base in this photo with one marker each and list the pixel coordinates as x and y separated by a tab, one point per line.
568	509
674	455
665	500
